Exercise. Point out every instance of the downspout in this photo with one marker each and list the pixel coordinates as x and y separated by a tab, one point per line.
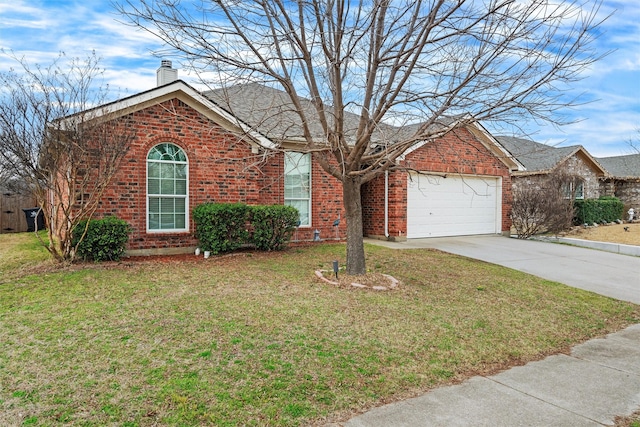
386	204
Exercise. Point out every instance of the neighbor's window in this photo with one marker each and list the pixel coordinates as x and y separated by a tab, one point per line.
167	196
297	184
574	189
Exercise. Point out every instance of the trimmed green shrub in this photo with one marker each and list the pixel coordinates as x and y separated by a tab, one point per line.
221	227
105	239
272	226
604	209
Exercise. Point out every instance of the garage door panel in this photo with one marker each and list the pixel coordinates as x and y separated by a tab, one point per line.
452	206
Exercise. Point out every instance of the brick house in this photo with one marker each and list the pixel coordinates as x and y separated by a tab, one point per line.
460	184
194	147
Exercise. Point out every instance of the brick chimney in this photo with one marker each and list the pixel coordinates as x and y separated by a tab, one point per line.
166	74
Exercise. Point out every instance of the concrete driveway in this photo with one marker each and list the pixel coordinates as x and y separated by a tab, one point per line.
605	273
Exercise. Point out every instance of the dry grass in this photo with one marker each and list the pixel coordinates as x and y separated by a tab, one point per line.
631	421
257	339
611	233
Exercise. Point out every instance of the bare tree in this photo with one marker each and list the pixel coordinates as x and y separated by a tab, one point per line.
52	141
405	62
545	205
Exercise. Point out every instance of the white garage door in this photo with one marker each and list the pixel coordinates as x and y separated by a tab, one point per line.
453	206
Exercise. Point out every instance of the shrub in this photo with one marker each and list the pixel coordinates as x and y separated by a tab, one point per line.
543	207
105	239
221	227
604	209
272	226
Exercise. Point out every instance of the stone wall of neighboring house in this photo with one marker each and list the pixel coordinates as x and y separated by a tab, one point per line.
458	152
576	165
222	168
573	166
627	190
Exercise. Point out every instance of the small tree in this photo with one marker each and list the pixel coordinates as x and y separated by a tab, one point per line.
544	207
52	140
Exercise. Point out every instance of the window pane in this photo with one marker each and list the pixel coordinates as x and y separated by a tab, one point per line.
166	170
166	221
180	156
181	171
154	204
154	186
181	187
166	187
179	204
303	209
155	153
154	170
154	221
180	221
295	163
166	206
296	187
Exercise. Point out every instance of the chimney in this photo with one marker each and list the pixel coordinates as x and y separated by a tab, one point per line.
166	74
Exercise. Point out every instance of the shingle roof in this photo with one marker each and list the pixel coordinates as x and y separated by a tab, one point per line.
622	166
536	157
271	112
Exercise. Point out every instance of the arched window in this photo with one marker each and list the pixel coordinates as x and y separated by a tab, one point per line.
167	189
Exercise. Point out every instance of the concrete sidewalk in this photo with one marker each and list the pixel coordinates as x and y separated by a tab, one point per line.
598	381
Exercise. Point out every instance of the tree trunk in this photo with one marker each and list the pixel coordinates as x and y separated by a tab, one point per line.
353	212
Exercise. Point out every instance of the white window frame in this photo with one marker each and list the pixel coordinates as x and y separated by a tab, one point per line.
289	161
149	196
570	189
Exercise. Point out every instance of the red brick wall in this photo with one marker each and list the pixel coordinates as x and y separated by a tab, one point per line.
222	168
458	152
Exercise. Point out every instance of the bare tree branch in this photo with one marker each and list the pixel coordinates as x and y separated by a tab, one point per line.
55	139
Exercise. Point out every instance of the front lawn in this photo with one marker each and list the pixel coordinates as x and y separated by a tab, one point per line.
257	339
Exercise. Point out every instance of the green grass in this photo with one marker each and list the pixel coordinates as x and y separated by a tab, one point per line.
20	251
256	339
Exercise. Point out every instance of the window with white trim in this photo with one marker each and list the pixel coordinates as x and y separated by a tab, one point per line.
297	184
574	189
167	189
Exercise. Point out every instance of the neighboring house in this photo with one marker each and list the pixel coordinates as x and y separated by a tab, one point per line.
220	146
623	180
539	161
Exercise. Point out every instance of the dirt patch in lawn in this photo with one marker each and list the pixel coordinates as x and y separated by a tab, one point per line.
628	234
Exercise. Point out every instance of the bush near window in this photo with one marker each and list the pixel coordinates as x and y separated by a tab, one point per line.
221	227
105	239
225	227
604	209
272	226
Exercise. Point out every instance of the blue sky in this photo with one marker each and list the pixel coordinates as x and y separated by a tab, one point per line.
39	30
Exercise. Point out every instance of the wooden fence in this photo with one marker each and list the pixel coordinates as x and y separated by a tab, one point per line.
12	217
